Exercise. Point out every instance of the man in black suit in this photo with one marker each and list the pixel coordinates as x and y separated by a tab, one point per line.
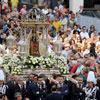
51	82
76	88
30	80
11	86
54	95
30	85
75	94
63	88
39	91
20	87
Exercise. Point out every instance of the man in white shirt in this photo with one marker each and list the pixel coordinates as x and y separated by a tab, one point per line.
60	6
84	34
81	9
69	33
45	10
66	51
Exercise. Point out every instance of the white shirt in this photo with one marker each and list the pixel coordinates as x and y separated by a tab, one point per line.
86	52
84	35
49	49
45	11
64	23
60	8
70	36
21	86
3	89
65	53
98	43
14	13
2	75
7	50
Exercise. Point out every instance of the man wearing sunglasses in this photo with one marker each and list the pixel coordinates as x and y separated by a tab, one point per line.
84	33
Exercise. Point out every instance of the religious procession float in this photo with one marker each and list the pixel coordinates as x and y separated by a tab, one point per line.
33	55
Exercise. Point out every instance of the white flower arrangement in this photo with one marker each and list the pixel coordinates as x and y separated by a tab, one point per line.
32	62
17	70
50	62
11	64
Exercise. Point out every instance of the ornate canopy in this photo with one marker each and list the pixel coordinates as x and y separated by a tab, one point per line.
34	19
34	14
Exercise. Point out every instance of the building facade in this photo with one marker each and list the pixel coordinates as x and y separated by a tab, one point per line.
87	3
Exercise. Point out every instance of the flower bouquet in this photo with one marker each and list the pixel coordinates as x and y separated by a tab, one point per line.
12	64
48	63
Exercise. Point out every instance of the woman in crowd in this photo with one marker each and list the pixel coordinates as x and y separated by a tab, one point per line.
72	43
92	29
64	22
79	42
92	38
72	21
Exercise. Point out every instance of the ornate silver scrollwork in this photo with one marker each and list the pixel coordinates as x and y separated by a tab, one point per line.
34	14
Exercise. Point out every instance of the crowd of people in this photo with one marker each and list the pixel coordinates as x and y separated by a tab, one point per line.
57	87
80	46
